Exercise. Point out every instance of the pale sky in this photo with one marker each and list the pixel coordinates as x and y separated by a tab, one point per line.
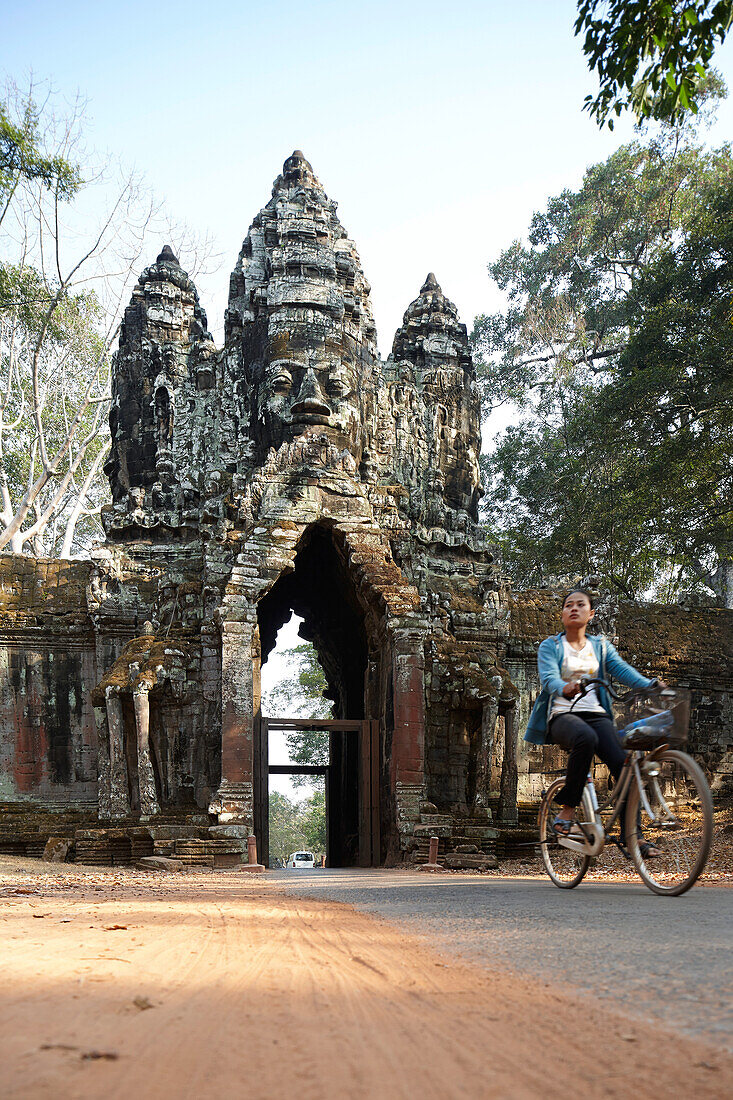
439	128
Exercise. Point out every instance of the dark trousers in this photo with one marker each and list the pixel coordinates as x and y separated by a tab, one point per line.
585	735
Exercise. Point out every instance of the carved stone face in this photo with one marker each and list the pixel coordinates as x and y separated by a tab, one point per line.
300	390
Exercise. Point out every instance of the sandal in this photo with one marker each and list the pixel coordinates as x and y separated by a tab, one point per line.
568	828
649	850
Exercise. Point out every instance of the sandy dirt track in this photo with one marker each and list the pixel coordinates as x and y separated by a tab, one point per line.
216	984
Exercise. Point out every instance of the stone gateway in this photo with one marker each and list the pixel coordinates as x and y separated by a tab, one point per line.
290	470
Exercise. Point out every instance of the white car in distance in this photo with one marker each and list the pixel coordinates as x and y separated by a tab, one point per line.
301	861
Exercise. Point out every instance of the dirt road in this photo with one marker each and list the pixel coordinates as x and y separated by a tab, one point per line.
122	984
663	959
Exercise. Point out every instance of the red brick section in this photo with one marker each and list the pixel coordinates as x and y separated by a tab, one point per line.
236	745
408	747
31	750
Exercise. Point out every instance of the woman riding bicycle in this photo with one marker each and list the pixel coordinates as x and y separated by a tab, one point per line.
584	728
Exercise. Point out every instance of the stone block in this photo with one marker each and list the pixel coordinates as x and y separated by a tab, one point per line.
159	863
471	862
57	849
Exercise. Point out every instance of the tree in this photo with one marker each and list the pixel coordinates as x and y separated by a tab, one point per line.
301	694
672	398
63	276
560	504
313	817
22	160
651	56
295	825
286	831
616	346
570	291
53	436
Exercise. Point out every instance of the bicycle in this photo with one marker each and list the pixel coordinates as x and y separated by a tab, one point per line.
661	790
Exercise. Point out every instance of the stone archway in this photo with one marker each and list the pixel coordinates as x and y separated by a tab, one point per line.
362	616
320	590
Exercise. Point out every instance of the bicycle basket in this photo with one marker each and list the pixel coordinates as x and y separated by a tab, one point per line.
660	718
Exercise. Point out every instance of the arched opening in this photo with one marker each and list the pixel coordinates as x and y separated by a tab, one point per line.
321	591
292	687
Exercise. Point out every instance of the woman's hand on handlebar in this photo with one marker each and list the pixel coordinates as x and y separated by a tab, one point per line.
571	688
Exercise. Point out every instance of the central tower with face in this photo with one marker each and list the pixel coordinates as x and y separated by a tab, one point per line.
300	339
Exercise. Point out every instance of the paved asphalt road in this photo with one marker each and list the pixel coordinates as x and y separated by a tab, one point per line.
664	958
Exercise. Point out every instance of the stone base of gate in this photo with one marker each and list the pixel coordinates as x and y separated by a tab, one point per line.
409	798
240	833
232	804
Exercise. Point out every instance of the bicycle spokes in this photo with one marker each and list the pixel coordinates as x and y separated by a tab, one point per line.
565	867
673	815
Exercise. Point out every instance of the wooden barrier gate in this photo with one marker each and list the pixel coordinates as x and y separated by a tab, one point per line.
368	782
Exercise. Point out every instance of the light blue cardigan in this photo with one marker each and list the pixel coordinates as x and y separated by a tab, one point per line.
549	662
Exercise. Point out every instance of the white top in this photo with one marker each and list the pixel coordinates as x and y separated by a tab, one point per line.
577	663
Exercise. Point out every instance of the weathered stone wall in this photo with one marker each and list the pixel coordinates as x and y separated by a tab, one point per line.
692	647
687	647
293	469
48	741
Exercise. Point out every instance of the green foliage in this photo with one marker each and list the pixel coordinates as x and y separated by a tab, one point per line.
55	336
570	289
616	345
286	833
651	56
313	816
22	156
301	694
296	825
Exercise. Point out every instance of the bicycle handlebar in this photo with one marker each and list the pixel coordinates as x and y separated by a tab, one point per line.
587	682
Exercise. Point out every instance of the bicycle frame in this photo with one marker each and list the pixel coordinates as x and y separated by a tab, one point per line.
594	843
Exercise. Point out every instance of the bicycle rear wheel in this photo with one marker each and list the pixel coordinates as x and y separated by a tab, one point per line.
566	868
680	824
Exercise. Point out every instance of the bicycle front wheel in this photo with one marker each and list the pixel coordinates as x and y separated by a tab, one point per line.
677	819
566	868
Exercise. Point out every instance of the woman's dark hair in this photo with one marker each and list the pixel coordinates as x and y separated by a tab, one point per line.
578	592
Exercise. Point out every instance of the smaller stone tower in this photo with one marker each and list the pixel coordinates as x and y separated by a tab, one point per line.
163	335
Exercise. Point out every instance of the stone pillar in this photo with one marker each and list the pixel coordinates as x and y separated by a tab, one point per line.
104	805
407	765
507	811
119	798
489	714
146	779
408	743
233	800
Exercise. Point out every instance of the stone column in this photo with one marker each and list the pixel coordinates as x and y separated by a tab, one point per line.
489	714
104	806
146	779
407	765
233	801
119	798
507	811
408	671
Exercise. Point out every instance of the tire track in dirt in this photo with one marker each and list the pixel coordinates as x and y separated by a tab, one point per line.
259	993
